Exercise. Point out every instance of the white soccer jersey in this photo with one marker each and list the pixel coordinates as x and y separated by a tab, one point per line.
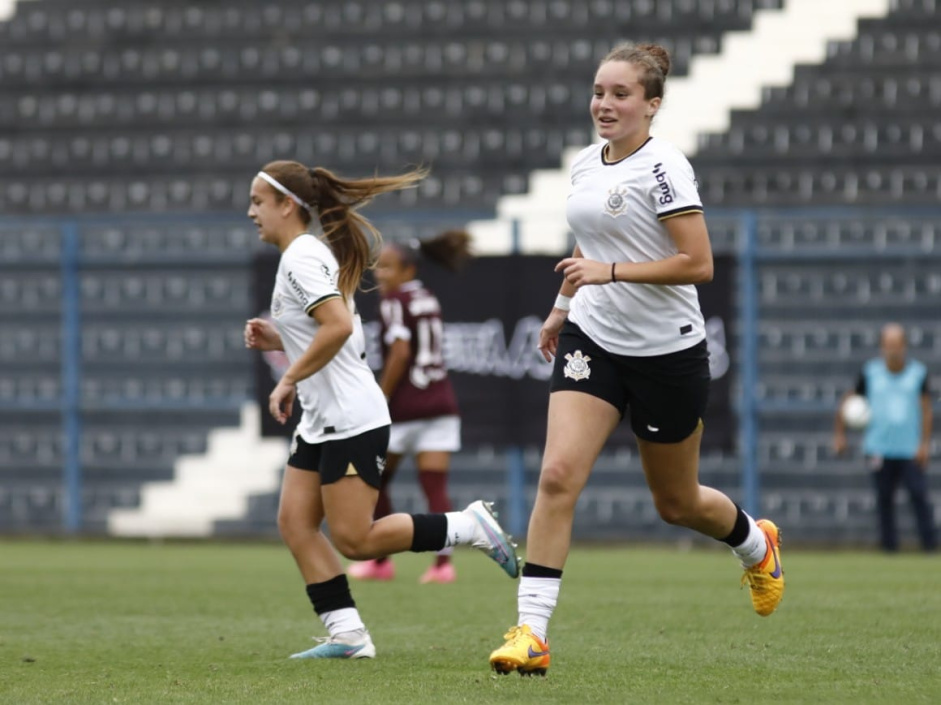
343	399
615	210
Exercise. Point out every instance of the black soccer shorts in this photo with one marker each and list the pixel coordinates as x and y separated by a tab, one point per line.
363	455
666	394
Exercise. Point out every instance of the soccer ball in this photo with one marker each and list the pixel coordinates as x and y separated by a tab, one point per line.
856	411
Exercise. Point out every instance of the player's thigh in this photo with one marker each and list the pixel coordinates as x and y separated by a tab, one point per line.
578	426
672	469
350	470
348	504
300	504
433	461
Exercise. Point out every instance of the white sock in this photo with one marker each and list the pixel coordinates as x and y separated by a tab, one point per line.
446	551
537	599
461	529
753	550
343	620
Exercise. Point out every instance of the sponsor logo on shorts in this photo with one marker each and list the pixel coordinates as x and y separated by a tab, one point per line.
380	463
577	366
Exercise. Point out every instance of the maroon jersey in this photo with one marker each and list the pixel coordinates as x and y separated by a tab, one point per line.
413	313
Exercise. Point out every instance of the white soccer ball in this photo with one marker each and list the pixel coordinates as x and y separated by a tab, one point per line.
856	411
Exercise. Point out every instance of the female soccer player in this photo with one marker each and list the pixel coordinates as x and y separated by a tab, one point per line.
626	331
425	420
339	447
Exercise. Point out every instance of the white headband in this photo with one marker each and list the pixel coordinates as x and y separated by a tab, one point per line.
286	191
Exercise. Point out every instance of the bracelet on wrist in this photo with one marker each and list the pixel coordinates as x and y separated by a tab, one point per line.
613	278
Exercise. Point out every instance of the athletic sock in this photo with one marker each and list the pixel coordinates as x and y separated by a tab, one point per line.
537	597
443	557
461	528
434	484
429	533
333	603
747	540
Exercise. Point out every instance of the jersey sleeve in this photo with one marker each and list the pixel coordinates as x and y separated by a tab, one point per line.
393	321
925	388
672	187
312	277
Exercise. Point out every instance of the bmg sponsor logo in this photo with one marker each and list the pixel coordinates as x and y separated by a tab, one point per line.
663	183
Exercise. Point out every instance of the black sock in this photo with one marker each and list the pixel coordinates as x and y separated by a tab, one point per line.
331	595
532	570
430	532
739	531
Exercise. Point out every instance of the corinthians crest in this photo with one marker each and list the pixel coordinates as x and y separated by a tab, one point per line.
577	366
616	203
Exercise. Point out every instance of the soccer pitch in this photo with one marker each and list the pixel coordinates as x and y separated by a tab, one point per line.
126	622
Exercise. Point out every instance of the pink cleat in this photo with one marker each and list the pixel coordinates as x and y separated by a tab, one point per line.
439	574
372	570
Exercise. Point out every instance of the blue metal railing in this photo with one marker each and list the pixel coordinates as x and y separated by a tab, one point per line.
71	378
748	365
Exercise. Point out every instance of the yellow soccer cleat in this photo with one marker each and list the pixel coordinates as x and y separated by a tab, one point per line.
523	652
766	579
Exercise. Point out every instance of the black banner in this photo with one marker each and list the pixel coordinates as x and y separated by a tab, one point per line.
493	311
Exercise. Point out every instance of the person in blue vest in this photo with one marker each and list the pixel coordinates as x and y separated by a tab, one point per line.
897	439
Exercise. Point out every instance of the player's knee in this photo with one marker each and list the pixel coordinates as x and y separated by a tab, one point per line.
674	510
350	546
290	525
555	481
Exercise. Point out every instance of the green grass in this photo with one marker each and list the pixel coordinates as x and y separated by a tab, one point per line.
90	622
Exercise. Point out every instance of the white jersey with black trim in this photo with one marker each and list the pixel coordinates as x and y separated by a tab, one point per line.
343	398
616	211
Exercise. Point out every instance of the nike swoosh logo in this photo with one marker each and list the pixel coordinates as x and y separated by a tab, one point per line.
355	650
537	654
652	429
776	573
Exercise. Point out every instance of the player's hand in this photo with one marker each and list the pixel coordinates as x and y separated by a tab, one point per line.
839	443
261	335
549	333
580	272
281	401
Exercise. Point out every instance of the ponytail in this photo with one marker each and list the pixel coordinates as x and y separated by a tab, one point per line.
352	238
450	249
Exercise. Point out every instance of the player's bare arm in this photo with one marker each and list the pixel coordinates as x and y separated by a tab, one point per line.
395	367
